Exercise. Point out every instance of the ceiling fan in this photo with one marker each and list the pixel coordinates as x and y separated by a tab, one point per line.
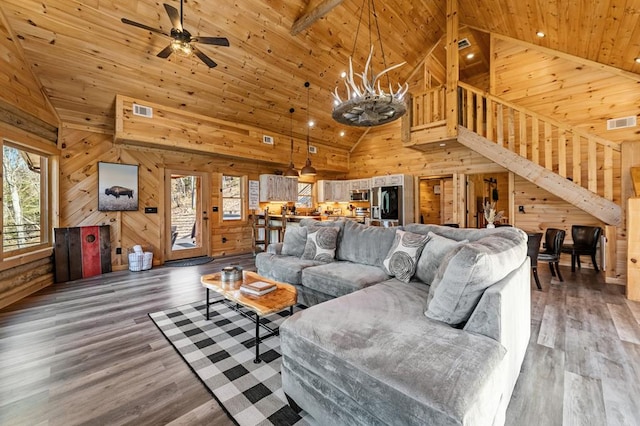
182	40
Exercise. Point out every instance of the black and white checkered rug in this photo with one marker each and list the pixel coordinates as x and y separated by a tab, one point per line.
221	352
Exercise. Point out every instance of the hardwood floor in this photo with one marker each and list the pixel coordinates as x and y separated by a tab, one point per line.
86	352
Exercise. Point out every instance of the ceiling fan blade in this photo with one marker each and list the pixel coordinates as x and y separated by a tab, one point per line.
204	58
164	53
174	16
218	41
143	26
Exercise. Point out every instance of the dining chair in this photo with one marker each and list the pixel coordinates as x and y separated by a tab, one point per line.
585	242
533	250
553	239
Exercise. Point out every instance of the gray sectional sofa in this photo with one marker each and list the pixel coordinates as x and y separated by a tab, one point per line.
444	348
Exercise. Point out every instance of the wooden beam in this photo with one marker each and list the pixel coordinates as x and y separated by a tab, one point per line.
635	178
15	117
597	206
453	67
309	18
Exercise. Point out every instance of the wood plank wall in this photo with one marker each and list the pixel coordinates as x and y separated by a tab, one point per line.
82	150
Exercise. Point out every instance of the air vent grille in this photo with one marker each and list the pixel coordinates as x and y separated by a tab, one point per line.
267	139
621	123
313	149
463	43
142	111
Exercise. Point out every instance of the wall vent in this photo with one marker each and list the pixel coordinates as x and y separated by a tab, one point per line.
267	139
142	111
621	123
313	149
463	43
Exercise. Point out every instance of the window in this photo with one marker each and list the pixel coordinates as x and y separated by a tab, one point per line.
304	195
232	198
25	198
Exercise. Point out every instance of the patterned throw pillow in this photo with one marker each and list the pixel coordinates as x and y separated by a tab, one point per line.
321	244
403	256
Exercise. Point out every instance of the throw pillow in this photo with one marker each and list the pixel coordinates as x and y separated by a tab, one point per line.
402	259
295	239
469	270
434	252
321	243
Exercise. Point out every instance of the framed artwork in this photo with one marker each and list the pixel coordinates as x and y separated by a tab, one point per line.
117	187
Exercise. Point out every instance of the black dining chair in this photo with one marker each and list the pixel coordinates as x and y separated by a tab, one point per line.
585	242
533	250
553	239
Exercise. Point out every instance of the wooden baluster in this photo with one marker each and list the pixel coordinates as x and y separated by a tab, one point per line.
535	140
608	173
548	147
577	167
480	115
470	110
562	153
592	164
500	125
433	105
489	119
511	129
523	135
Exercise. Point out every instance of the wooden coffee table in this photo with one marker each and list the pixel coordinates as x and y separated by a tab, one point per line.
278	300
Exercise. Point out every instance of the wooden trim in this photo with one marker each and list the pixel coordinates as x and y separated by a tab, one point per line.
23	259
29	140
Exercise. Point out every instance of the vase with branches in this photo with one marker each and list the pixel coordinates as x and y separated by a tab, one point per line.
490	214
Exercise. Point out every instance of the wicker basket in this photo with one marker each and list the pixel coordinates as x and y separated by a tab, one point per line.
140	261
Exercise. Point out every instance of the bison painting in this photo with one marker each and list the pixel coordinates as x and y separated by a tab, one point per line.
117	187
117	191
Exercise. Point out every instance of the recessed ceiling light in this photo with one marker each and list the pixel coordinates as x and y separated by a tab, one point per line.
343	74
443	144
342	133
311	123
638	59
470	55
540	34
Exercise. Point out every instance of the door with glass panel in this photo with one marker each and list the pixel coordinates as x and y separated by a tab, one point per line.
187	225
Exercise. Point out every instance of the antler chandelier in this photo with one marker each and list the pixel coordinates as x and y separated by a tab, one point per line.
366	103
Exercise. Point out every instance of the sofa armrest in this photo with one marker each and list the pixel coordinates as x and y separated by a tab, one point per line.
274	248
504	314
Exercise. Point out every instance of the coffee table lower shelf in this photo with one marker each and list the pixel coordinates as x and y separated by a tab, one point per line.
253	316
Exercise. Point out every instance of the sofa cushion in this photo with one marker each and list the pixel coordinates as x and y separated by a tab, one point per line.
432	255
469	269
295	239
340	278
281	268
403	255
376	348
321	243
367	245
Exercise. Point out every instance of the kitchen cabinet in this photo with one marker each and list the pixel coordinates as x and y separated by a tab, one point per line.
359	184
387	180
334	191
277	188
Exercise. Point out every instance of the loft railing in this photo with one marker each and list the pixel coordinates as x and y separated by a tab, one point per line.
556	146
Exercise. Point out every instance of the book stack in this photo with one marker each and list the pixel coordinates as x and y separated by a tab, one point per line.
257	288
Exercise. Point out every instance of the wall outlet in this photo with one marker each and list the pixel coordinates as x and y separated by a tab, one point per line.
313	149
118	250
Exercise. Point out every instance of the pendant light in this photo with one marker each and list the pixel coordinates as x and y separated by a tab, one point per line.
308	169
291	171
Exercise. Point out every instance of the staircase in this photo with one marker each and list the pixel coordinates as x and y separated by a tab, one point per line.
542	150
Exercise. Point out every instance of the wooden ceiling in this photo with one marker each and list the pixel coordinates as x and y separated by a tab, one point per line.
83	55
